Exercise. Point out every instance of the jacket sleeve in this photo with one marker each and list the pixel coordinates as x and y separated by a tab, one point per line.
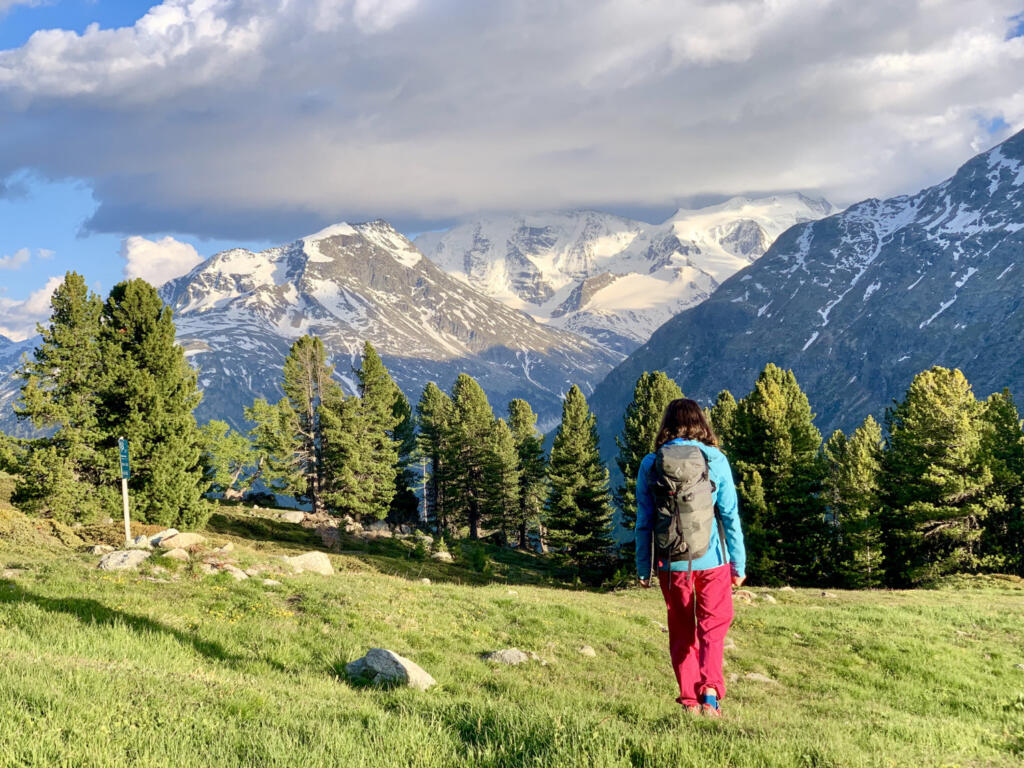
728	510
644	519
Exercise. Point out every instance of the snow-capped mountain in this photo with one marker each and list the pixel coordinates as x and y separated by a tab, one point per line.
613	279
238	313
858	303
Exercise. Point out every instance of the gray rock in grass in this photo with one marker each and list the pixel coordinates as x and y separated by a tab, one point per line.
586	650
509	656
294	516
757	677
383	667
311	562
123	560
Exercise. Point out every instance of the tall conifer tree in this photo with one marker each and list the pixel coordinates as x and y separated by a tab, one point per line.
502	481
229	458
148	394
434	412
774	435
349	481
532	469
381	403
851	491
1002	447
469	455
307	377
652	393
66	475
937	488
579	512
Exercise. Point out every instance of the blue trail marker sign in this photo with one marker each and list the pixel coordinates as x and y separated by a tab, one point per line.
122	448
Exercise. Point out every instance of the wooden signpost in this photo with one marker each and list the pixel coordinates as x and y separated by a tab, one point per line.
122	446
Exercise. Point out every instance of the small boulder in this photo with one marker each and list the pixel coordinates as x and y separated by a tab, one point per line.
182	540
510	656
101	549
177	554
757	677
744	596
383	667
769	599
123	560
236	573
313	562
827	594
353	527
271	583
586	650
155	539
295	516
208	569
140	542
1019	666
425	581
443	557
786	588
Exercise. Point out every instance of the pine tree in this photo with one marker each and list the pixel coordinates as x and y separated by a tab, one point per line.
501	481
380	396
307	377
651	395
434	414
404	504
937	489
851	491
276	442
67	476
579	512
229	458
774	435
349	488
1002	451
148	394
723	418
532	468
468	458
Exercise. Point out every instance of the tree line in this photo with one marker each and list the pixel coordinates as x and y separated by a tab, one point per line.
110	369
937	489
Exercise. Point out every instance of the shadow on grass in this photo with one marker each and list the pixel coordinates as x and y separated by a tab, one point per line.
94	612
263	529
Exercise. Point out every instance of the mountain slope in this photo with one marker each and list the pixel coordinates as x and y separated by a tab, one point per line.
613	279
859	302
238	313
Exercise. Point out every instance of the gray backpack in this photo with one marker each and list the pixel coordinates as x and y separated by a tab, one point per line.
684	506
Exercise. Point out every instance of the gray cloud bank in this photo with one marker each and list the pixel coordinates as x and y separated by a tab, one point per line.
260	119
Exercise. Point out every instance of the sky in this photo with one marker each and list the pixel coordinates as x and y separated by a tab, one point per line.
138	139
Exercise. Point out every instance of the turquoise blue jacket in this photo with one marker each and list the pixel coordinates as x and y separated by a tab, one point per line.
725	502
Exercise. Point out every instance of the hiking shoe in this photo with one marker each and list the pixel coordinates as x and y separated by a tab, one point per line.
692	709
709	705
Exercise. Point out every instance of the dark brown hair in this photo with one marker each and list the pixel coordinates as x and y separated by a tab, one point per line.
685	418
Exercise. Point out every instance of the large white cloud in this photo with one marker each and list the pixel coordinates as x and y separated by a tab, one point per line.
157	261
18	318
262	119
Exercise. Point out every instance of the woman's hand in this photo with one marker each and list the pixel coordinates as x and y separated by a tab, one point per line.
737	581
645	583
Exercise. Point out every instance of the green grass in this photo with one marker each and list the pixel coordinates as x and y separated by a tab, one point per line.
101	669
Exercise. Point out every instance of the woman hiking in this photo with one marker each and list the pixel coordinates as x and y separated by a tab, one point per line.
686	501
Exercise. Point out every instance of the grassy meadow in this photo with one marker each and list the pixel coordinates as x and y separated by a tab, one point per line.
166	667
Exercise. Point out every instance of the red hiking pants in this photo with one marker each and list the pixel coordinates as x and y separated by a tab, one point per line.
699	614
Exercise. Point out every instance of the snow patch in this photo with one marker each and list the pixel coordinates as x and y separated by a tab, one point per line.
945	305
810	341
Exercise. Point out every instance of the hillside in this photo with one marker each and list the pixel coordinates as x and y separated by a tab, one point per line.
859	302
170	667
612	279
